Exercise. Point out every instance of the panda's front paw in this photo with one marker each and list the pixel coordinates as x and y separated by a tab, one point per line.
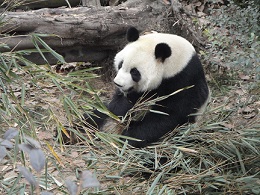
137	144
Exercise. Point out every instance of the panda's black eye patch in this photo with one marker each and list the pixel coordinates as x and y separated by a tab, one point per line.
120	65
136	76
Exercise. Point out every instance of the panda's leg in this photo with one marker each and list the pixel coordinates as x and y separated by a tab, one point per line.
150	129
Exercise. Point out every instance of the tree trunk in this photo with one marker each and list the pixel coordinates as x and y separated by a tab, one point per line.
82	33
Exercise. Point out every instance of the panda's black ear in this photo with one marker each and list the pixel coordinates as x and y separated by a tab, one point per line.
132	34
162	51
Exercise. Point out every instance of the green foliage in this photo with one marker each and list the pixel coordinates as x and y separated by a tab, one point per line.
245	3
234	38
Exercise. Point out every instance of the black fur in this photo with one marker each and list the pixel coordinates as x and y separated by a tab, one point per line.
162	51
136	76
178	107
120	104
132	34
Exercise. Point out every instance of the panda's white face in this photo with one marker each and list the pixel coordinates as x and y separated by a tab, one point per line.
137	70
144	63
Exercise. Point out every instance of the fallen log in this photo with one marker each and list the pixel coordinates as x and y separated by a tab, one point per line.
82	33
36	4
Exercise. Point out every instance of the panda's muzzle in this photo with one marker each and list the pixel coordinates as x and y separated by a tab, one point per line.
118	85
121	88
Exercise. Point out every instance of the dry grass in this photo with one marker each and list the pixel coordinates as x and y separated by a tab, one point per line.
219	154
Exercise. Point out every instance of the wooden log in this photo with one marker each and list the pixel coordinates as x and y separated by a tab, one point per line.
82	33
36	4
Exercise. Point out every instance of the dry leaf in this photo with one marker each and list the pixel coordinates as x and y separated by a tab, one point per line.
239	92
189	150
244	77
247	110
228	125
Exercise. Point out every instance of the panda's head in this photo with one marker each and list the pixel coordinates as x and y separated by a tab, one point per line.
146	60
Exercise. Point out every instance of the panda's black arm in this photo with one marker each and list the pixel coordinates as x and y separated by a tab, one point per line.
96	119
151	128
119	104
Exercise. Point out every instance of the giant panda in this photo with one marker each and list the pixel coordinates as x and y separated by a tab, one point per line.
151	66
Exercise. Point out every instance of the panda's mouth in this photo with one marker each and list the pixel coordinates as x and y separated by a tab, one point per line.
126	91
130	89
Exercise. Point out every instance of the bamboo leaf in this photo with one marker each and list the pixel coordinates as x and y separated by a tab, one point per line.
47	47
71	186
54	153
3	152
28	175
10	133
37	159
33	142
153	185
25	148
89	180
6	143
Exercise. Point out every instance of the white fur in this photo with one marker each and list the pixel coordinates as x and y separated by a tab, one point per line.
140	54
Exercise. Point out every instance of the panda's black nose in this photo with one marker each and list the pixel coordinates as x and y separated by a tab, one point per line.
118	85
